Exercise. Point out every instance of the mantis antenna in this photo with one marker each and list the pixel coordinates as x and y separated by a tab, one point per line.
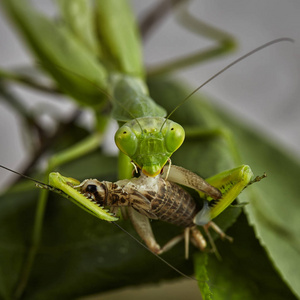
42	184
284	39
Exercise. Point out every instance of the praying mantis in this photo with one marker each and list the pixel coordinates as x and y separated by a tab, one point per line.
92	142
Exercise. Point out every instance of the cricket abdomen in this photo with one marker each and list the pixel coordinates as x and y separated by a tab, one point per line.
174	205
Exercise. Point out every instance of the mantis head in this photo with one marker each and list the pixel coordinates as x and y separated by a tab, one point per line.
150	142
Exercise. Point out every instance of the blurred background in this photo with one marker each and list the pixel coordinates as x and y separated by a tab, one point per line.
263	90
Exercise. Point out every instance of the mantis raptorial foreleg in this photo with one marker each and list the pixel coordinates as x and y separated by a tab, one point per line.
228	183
187	178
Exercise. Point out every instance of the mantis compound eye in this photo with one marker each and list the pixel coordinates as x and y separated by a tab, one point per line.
174	136
126	140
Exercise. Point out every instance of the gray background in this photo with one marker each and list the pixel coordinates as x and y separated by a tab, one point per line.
263	90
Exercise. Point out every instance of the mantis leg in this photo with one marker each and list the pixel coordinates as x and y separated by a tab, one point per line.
217	131
231	183
225	44
187	178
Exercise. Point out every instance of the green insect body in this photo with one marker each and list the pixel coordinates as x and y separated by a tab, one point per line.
150	142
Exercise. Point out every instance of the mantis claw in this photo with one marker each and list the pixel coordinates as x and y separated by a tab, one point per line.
71	189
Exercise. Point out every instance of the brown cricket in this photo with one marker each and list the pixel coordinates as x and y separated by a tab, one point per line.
156	198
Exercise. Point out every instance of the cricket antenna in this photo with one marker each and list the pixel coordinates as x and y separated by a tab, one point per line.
284	39
159	257
39	183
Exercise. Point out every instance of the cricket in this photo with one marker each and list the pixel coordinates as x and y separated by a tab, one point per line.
149	187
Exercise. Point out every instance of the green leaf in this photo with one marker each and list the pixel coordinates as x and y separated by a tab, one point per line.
274	205
245	271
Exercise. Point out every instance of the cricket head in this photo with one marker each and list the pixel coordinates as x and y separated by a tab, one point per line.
149	142
80	194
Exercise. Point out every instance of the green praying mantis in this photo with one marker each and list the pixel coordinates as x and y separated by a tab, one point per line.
146	138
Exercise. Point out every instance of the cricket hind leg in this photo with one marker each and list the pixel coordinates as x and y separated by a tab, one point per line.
142	226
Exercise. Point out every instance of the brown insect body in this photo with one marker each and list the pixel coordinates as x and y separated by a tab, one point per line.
154	198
